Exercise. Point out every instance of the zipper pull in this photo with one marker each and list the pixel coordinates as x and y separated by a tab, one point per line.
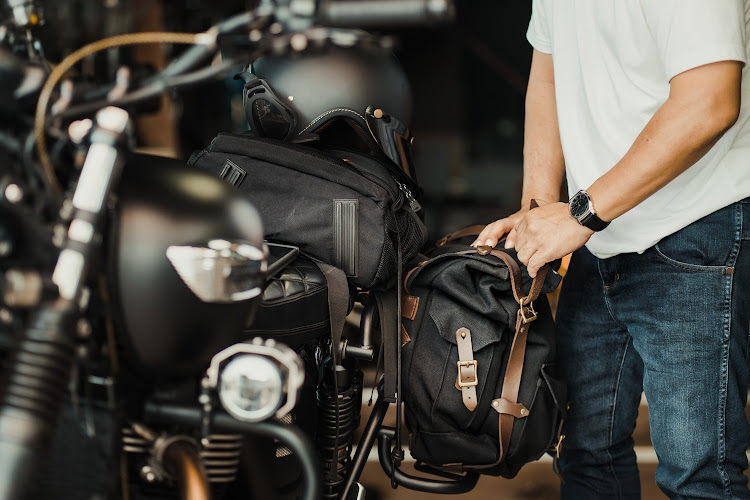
413	203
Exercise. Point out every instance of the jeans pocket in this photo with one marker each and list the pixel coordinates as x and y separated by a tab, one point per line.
706	245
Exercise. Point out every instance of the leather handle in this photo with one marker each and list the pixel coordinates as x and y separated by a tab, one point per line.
516	281
474	230
466	231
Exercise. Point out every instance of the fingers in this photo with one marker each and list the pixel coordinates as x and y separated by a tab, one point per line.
493	232
536	261
510	240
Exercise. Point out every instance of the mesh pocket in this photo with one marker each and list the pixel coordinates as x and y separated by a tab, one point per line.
413	235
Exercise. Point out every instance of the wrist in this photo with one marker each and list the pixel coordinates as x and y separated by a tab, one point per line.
581	208
542	199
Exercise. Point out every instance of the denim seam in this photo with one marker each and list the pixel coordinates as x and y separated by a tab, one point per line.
725	343
612	407
611	312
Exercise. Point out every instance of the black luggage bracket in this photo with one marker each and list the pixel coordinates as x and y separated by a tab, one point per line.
455	484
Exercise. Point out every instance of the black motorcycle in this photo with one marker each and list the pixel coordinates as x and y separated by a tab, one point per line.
127	279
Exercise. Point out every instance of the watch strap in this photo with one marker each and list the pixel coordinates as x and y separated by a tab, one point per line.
593	222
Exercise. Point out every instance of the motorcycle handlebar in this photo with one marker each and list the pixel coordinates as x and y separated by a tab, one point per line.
384	13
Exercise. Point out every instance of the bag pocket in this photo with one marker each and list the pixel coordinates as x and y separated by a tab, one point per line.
489	344
536	434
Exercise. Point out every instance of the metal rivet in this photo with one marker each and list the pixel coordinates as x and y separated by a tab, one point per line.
378	113
496	403
463	335
523	411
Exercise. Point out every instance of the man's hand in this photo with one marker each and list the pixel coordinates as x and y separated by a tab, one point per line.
492	233
547	233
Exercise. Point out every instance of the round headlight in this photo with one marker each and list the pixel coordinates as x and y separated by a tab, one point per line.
251	387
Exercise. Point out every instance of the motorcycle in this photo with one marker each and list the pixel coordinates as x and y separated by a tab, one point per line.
126	279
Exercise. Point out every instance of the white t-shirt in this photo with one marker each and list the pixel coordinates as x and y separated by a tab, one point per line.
613	60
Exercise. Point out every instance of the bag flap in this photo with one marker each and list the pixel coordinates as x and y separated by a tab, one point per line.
551	280
471	293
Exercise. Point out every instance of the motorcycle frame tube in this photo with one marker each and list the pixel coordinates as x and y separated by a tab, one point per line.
290	435
369	435
461	484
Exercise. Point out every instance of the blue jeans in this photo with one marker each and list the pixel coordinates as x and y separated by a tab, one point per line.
672	322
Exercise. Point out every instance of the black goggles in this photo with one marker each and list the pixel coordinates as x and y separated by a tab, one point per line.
270	117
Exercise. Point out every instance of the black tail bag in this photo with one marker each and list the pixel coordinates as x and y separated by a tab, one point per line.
344	208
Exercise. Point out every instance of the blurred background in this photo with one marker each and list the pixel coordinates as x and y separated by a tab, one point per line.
468	83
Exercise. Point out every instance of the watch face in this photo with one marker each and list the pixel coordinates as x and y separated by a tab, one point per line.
579	205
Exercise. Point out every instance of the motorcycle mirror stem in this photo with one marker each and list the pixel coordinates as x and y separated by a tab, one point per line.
28	411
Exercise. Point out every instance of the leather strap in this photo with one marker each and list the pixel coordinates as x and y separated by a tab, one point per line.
474	230
466	231
466	381
507	406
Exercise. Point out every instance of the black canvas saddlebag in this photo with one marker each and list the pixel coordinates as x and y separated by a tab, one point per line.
345	208
480	386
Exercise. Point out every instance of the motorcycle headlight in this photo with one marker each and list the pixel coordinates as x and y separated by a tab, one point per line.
222	272
256	380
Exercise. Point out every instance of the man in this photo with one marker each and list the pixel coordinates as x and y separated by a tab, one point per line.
638	104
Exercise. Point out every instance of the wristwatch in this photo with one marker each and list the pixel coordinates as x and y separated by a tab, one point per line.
581	208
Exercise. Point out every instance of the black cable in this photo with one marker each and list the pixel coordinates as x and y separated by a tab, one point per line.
152	90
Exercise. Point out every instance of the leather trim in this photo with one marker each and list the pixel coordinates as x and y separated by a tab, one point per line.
503	407
512	383
405	339
467	378
409	306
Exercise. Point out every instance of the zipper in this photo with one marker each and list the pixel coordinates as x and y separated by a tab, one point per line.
396	194
413	203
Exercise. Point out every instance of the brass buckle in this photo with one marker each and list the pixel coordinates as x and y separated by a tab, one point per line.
467	364
531	317
558	446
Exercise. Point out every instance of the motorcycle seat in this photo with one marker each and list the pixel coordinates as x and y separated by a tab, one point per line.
294	306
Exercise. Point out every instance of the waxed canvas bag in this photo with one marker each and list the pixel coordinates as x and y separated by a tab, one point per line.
481	388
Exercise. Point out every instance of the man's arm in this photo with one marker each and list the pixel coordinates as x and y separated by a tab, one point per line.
543	162
703	103
544	166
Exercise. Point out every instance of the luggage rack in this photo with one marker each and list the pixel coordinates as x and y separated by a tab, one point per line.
444	483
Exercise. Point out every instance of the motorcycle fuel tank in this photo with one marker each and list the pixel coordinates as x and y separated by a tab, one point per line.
186	265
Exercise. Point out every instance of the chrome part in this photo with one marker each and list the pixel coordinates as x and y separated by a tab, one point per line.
81	230
95	177
221	456
22	288
13	193
79	129
250	387
68	273
219	453
222	271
